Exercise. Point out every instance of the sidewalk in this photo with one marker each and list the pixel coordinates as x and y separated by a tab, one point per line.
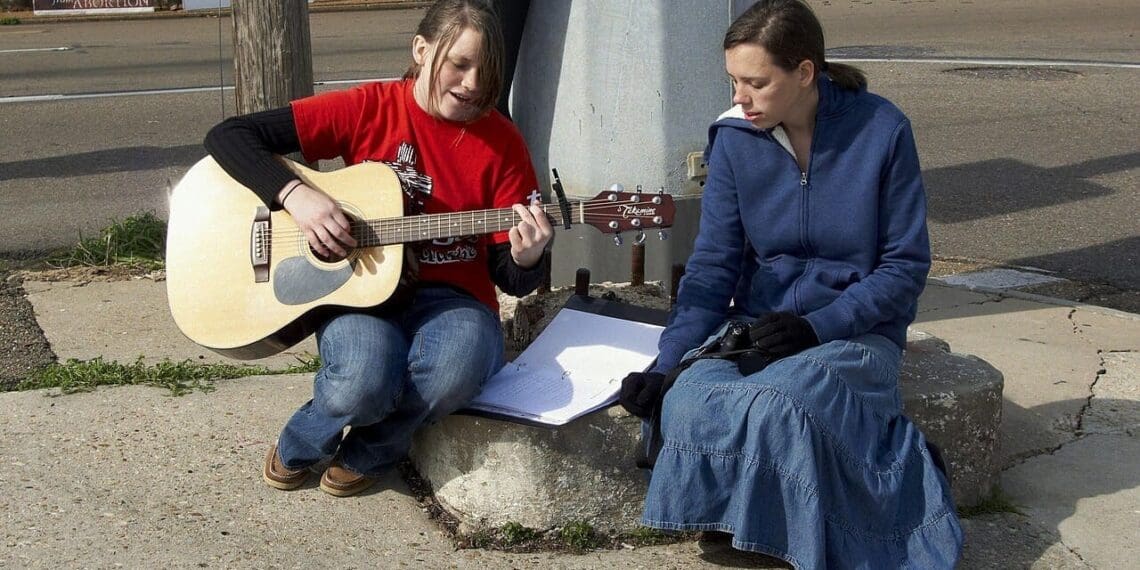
132	477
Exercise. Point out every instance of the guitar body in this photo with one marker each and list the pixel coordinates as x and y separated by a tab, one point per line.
243	281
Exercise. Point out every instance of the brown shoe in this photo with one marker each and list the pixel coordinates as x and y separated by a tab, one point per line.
280	477
341	481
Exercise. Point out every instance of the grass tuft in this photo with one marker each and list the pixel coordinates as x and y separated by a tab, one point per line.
9	21
579	535
646	536
482	538
514	533
138	241
179	377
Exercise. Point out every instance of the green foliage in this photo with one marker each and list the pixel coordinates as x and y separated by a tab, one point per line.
305	364
998	502
578	535
514	533
481	538
645	536
9	21
138	241
178	377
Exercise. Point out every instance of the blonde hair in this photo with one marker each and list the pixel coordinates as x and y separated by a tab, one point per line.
444	22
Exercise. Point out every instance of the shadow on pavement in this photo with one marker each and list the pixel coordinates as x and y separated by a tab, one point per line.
1080	487
1123	254
991	188
124	159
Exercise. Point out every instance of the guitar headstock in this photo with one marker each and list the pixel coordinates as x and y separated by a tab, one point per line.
615	211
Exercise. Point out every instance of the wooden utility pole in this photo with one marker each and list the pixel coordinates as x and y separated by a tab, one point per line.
273	60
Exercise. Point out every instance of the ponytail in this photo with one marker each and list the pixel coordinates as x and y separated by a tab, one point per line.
846	76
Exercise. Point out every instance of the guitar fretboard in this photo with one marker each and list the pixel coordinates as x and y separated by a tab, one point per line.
371	233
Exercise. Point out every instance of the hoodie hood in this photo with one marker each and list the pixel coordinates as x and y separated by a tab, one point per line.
833	101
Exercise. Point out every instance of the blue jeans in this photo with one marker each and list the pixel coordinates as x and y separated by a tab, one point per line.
385	377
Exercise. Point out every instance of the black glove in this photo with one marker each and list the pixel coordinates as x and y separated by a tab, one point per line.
782	334
640	392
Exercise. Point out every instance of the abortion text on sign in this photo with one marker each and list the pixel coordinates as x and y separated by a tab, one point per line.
49	7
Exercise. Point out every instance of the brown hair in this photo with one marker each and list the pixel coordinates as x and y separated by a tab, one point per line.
789	31
443	24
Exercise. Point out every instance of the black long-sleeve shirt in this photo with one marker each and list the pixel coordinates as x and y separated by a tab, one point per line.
246	147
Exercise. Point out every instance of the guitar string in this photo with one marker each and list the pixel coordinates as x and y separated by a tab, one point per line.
469	228
416	224
412	234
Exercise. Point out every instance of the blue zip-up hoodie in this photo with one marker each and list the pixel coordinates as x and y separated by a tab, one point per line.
843	245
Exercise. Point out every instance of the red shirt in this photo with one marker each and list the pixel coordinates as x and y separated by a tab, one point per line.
442	166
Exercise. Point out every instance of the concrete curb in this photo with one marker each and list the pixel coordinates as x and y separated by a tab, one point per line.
1033	297
27	17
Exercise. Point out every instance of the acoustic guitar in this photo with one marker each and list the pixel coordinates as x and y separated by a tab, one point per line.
243	281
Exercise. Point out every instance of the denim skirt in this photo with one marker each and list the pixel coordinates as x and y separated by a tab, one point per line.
809	460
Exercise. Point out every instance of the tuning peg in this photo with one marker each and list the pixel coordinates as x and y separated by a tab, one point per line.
662	235
617	239
617	187
640	239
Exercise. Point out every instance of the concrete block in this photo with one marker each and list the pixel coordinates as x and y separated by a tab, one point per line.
956	400
490	472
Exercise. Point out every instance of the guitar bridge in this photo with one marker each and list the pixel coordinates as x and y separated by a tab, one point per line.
259	245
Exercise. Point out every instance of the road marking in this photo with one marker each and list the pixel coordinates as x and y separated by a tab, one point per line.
940	61
990	61
34	49
10	32
346	81
63	97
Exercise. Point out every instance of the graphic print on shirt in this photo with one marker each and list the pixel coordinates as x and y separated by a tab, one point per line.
417	187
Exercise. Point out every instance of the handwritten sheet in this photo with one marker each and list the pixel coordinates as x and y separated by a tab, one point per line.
574	367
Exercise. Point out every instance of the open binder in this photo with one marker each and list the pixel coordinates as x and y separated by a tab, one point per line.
576	365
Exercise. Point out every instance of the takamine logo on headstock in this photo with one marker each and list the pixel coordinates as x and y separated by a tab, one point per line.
638	211
616	211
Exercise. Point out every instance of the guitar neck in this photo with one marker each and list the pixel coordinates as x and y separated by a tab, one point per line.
370	233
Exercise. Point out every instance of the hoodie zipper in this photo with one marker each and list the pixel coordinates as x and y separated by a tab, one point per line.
805	195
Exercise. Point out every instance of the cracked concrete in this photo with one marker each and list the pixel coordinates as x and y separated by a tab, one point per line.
132	476
1071	425
1114	406
1038	415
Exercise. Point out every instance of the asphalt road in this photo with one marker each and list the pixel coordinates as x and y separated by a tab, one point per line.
1025	164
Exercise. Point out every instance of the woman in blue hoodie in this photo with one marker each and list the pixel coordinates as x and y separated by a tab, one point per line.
813	237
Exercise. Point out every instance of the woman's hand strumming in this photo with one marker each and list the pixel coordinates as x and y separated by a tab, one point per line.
319	216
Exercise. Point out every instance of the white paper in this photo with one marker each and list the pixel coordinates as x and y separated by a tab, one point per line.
574	367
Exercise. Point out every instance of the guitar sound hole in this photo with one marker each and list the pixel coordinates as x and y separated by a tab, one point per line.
332	257
355	227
